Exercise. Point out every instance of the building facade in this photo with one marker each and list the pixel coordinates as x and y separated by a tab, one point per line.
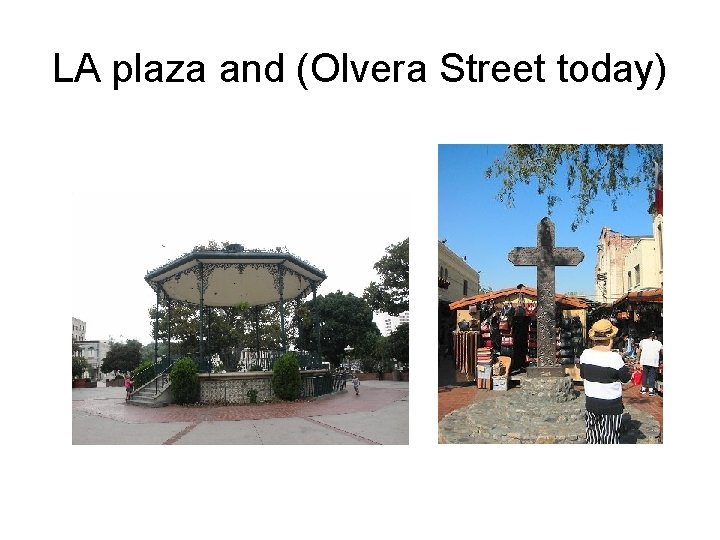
390	323
78	329
94	352
628	263
456	278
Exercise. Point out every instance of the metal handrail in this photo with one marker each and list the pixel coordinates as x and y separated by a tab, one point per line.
157	373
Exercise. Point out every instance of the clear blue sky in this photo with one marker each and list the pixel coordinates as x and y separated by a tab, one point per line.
479	227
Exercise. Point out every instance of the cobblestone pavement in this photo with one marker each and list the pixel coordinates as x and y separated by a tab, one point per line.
378	415
465	416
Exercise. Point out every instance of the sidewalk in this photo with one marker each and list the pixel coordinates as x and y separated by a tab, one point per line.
379	415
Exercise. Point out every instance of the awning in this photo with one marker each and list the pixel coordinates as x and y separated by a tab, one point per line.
654	296
571	302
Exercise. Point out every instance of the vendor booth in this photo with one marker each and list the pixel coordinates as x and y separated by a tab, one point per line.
502	326
636	314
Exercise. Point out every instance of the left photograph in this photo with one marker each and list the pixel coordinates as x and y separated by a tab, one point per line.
226	328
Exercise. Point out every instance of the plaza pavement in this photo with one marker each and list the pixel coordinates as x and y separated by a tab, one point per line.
452	397
379	415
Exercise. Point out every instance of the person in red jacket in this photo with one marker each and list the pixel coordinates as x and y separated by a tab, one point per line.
128	386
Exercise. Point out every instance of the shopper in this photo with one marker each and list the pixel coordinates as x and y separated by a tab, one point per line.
650	348
603	371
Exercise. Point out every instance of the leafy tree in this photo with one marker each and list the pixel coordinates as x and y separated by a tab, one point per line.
148	351
375	354
390	295
227	330
399	344
591	169
344	320
366	348
79	366
122	357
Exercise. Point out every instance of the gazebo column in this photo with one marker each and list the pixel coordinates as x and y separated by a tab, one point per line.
280	287
169	310
316	317
201	286
157	323
257	333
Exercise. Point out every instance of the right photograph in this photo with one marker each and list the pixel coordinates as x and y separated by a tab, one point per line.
550	294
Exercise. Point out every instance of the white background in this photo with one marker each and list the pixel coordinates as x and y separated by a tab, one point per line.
334	144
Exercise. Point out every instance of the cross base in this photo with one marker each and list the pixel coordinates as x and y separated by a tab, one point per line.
547	371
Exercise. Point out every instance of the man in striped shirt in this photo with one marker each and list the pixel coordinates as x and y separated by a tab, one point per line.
603	371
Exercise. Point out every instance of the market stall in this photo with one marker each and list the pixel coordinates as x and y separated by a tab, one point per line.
636	314
504	322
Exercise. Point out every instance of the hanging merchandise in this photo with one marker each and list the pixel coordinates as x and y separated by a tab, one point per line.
484	367
569	340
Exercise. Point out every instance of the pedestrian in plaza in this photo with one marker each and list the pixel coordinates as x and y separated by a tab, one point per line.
128	386
356	384
650	349
603	371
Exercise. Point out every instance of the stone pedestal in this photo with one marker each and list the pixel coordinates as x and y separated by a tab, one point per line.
549	388
545	371
541	410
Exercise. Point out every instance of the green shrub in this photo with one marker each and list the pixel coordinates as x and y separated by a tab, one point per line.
286	381
255	367
252	395
184	382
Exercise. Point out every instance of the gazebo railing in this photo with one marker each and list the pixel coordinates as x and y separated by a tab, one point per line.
317	385
249	360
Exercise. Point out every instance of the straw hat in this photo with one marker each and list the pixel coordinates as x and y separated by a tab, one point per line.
602	329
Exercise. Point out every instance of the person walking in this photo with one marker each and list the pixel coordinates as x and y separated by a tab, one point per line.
603	372
356	384
128	386
650	348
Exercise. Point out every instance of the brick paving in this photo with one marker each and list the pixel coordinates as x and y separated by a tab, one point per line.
370	399
454	397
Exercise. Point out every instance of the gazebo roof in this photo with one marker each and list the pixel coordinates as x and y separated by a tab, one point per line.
569	301
234	275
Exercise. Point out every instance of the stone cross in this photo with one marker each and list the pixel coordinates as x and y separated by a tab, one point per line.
546	257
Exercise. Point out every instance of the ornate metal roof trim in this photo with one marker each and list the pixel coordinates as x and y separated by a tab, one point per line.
237	257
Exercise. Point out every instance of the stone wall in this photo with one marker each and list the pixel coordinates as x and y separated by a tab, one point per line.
233	387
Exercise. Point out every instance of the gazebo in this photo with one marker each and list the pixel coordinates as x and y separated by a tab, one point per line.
232	276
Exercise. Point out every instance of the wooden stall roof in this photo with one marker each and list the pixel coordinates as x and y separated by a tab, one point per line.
654	296
569	301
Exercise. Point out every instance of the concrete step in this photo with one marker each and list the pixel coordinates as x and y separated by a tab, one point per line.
146	402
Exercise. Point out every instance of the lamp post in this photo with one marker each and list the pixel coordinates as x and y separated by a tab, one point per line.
348	350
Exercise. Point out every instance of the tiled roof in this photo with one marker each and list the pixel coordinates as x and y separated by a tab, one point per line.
570	301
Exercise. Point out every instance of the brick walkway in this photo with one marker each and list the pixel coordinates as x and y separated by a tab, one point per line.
370	399
452	398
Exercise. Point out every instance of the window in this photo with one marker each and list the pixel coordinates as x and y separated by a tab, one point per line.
637	275
465	287
629	281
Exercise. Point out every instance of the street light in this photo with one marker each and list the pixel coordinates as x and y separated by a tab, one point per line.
348	350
